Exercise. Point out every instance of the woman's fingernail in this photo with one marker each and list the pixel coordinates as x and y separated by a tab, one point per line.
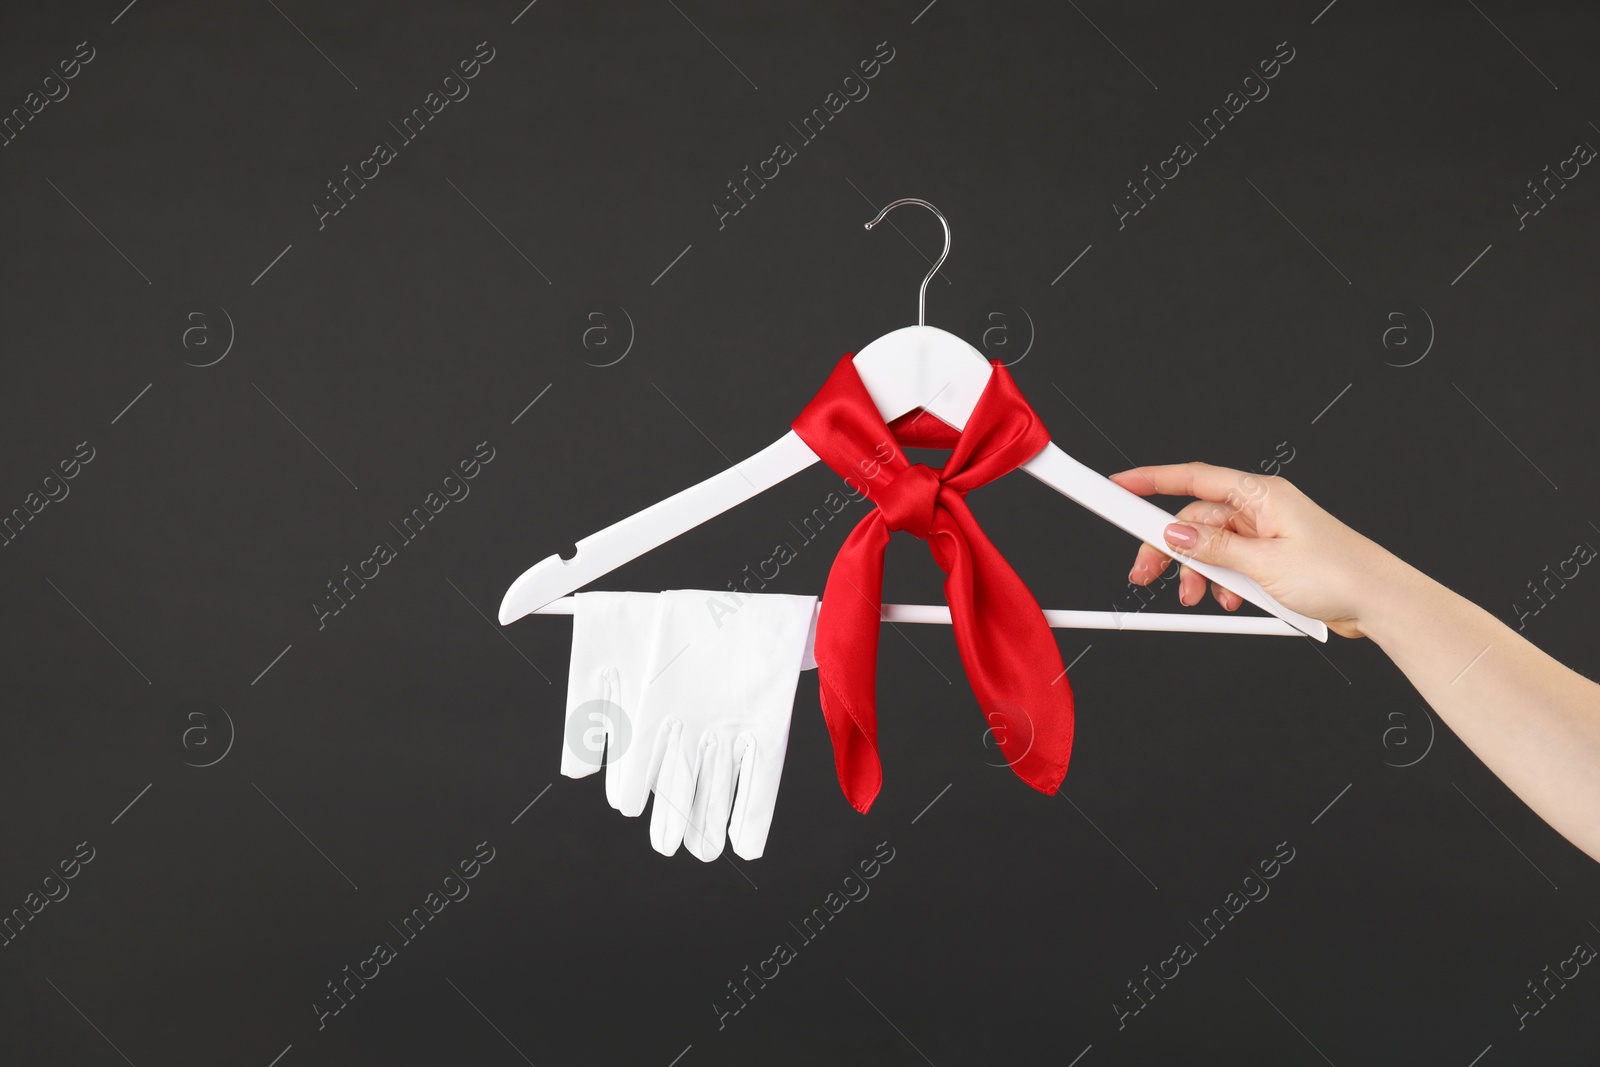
1180	535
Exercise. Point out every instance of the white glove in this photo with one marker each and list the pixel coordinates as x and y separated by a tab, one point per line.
691	703
718	701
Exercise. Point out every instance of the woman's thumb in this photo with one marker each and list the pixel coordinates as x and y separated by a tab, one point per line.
1212	544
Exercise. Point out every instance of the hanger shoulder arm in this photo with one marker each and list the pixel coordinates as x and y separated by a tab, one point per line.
1136	515
604	551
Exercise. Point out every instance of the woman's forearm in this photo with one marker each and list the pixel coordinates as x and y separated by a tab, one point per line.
1533	721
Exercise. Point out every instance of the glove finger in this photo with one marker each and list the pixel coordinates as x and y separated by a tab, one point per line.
632	774
757	784
592	721
674	790
713	794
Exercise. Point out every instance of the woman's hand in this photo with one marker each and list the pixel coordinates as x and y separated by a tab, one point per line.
1266	528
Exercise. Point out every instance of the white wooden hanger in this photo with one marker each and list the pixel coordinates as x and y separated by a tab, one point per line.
914	367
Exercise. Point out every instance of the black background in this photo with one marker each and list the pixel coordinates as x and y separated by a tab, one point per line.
380	750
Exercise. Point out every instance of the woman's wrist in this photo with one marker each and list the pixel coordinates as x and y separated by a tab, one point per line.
1396	600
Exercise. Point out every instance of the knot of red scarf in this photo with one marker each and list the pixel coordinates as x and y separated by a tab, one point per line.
907	502
1009	653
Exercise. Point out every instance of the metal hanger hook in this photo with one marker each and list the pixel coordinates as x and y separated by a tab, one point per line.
922	293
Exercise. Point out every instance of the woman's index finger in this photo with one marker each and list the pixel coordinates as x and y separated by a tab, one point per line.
1201	480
